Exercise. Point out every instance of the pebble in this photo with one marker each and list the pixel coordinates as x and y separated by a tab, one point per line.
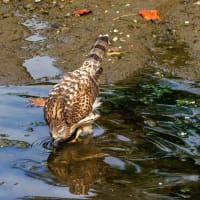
122	39
6	1
197	3
135	21
187	22
29	129
55	25
115	39
29	6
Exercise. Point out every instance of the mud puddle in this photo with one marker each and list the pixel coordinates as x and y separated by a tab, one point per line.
42	67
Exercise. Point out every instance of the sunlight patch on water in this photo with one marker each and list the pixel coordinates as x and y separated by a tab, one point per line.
180	85
115	162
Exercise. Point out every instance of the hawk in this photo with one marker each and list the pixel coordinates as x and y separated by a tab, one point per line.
71	103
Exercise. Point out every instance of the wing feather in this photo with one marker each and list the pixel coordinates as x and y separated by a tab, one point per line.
71	100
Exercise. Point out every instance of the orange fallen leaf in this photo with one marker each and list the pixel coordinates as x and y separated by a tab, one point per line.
113	51
82	12
37	101
150	14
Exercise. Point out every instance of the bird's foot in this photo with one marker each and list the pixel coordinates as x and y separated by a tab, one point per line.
76	139
83	130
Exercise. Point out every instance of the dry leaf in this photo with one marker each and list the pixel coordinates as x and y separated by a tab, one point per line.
82	12
150	14
37	102
112	51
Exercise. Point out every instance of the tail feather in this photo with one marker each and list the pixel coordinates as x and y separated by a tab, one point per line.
97	51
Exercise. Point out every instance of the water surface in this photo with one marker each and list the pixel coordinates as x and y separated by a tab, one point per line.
145	145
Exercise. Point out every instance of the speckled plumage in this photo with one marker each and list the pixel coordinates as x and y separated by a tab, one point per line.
70	103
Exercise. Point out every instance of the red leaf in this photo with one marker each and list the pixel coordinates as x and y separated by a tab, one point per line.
37	101
82	12
150	14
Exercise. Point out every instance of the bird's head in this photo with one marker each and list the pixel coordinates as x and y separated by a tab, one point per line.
59	130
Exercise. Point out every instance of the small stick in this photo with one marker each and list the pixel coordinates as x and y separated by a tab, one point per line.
131	14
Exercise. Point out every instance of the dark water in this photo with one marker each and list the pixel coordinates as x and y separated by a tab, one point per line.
146	145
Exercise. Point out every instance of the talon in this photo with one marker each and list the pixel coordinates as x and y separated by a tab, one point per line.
76	139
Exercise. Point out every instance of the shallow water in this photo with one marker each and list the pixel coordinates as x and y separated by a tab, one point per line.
40	67
145	145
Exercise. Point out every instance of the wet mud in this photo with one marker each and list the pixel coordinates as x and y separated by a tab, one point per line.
49	28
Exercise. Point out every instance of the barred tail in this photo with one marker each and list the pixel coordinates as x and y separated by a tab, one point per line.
97	51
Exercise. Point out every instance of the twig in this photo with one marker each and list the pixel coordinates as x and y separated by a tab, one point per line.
131	14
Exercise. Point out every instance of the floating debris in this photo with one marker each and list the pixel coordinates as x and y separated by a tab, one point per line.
150	122
160	183
183	134
186	102
2	182
37	101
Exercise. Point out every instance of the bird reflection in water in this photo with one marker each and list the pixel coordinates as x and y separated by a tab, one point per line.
78	165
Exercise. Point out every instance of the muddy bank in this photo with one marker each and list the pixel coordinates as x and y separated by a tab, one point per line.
179	39
11	53
68	38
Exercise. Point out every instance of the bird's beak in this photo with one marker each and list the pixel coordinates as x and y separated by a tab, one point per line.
55	143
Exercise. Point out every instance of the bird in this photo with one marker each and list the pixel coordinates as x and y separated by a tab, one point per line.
72	103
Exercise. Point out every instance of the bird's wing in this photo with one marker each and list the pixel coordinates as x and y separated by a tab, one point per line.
82	102
53	109
71	100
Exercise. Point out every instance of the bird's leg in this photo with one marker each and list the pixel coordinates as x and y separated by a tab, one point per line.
86	129
89	119
84	125
76	139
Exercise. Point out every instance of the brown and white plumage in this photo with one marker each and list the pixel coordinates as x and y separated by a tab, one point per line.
71	102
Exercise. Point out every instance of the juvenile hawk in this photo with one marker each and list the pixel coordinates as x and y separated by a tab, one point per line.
71	103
